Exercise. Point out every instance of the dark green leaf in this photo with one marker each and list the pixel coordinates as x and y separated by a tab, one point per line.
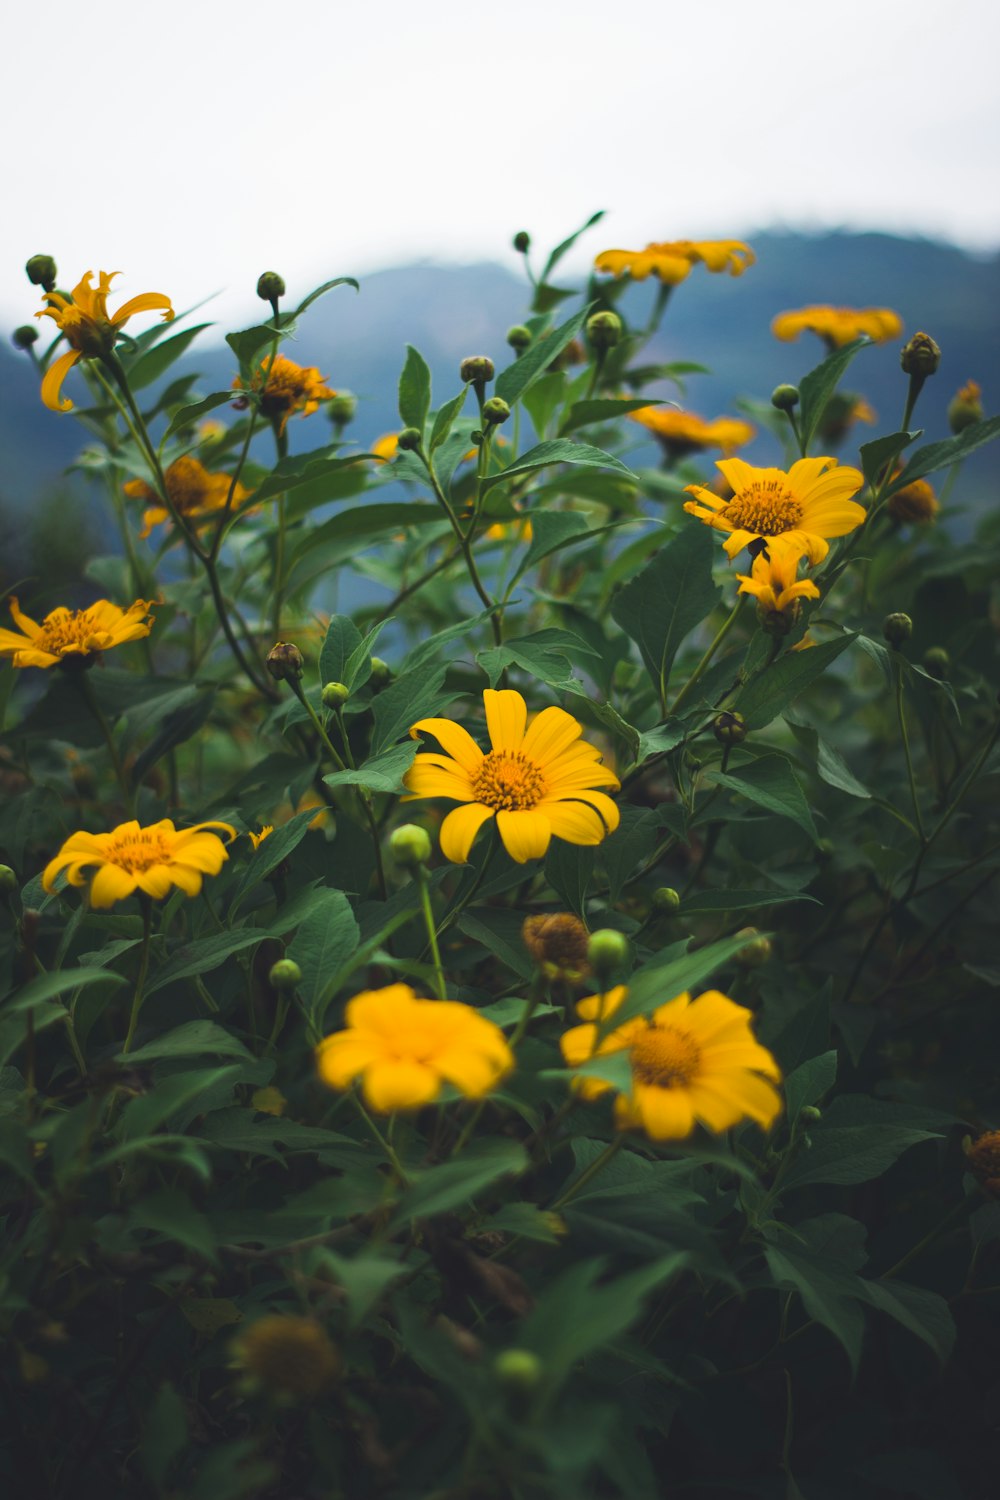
533	363
816	388
583	413
669	975
935	456
206	954
193	1039
457	1183
858	1138
445	418
156	361
567	244
765	697
557	451
321	291
769	782
45	987
418	695
414	390
304	468
663	603
325	940
876	456
382	773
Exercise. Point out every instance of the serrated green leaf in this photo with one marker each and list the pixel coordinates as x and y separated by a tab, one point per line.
382	773
663	604
816	388
584	413
765	697
193	1039
557	451
769	782
534	362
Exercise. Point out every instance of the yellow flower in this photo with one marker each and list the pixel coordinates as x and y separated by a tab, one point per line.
536	781
692	1061
839	325
804	507
386	447
287	1355
287	387
197	495
403	1049
258	838
915	504
131	858
73	634
84	322
772	582
672	260
682	432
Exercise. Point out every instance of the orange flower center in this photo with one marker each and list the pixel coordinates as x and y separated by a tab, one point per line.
72	630
664	1057
138	851
767	508
187	484
508	782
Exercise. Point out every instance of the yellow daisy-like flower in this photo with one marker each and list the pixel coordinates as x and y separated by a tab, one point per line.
683	432
671	260
73	634
916	504
197	495
404	1049
286	388
774	583
693	1061
536	781
839	325
90	331
386	447
258	838
131	859
803	507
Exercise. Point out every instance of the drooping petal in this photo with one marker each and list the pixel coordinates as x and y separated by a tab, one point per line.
145	302
404	1084
605	809
666	1114
458	742
53	379
506	716
459	829
23	621
111	884
526	834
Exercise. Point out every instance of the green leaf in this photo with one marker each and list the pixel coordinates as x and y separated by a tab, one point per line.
500	932
248	342
414	390
876	456
769	782
534	362
557	451
304	468
859	1138
702	903
189	415
382	773
583	413
458	1183
419	695
923	1312
321	291
545	655
45	987
569	869
673	593
177	726
171	1213
935	456
765	697
830	764
206	954
670	975
567	244
193	1039
325	940
828	1292
271	853
809	1082
364	1280
164	1432
550	530
143	1115
816	388
342	638
445	418
156	361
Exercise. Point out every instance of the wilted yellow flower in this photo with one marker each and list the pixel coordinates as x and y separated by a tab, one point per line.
559	943
915	504
683	432
258	838
73	634
286	388
839	325
403	1049
672	260
773	582
84	322
131	858
692	1061
197	495
537	782
286	1355
803	507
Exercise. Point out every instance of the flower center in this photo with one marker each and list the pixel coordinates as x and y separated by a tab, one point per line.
67	630
186	484
139	850
508	782
90	336
767	508
664	1057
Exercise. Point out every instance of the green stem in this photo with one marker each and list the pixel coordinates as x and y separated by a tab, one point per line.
140	983
901	714
536	994
389	1150
702	666
465	548
589	1173
957	1214
90	697
432	937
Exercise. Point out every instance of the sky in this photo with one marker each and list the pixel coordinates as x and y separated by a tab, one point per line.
194	145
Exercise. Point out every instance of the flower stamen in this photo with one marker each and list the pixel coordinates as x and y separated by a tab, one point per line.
664	1057
508	782
766	508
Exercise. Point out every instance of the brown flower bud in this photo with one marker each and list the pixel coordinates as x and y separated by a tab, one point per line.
557	941
284	662
982	1157
920	355
477	369
729	727
964	410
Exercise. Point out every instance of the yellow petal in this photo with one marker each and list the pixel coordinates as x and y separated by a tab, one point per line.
458	742
574	822
110	884
389	1086
506	716
459	829
53	379
525	834
145	302
341	1057
551	733
666	1114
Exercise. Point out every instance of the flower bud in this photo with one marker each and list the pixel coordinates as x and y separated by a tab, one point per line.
335	695
937	662
729	727
982	1157
410	845
810	1112
41	271
8	880
519	337
381	673
897	628
270	287
518	1369
284	662
785	397
285	974
607	952
522	242
290	1357
342	408
915	504
495	411
604	329
410	439
757	950
24	337
477	369
778	623
559	943
666	898
920	356
965	408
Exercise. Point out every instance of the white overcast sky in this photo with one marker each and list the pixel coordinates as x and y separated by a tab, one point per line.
193	145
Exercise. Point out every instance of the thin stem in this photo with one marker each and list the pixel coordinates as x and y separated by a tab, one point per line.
389	1150
140	983
536	994
957	1214
901	714
465	548
589	1173
702	666
432	937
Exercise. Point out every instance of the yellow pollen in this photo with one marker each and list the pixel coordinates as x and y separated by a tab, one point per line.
767	508
508	782
138	851
664	1057
60	632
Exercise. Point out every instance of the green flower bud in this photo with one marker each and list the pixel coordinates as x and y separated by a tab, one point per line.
410	439
522	242
937	662
604	329
825	848
335	694
810	1112
607	952
920	355
897	628
41	271
381	673
8	880
410	845
284	662
477	369
965	408
518	1369
270	287
666	898
729	727
25	336
495	411
519	337
342	408
785	397
757	951
285	974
